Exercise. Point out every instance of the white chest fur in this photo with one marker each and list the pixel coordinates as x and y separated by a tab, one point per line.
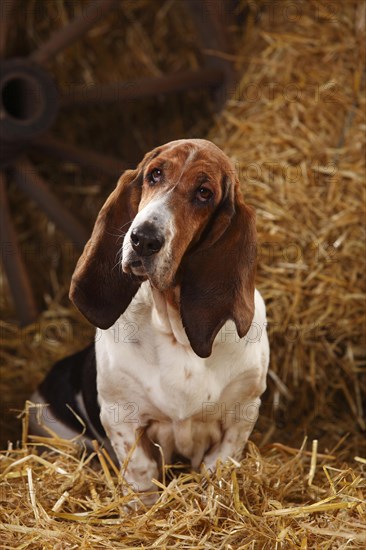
148	375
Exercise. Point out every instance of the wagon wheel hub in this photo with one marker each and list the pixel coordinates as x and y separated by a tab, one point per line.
29	103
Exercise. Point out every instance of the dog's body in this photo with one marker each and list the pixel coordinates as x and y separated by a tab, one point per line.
177	355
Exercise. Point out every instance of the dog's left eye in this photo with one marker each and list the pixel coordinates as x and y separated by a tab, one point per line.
154	176
204	194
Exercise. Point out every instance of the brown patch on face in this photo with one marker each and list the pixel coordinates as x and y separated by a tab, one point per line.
192	176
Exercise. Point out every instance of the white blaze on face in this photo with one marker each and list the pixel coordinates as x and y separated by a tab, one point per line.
157	267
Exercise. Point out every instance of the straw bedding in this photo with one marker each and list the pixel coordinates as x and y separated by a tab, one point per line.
295	127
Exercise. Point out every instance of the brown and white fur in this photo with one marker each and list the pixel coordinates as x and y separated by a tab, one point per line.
182	357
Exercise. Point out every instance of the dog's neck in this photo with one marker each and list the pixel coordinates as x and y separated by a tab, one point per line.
166	315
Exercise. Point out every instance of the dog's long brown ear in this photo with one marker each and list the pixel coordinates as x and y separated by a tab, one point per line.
99	288
218	279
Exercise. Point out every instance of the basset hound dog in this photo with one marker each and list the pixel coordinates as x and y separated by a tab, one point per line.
181	359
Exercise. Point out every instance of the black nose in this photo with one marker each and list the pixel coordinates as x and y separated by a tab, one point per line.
146	241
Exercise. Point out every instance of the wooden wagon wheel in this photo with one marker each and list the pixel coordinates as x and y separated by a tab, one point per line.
30	102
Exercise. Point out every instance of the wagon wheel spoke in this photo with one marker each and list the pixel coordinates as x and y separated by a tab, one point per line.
142	87
6	8
211	21
62	38
16	274
84	157
29	180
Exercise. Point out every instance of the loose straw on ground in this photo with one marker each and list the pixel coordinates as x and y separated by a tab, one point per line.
295	127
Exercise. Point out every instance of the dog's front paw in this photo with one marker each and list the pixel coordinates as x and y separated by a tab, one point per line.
138	481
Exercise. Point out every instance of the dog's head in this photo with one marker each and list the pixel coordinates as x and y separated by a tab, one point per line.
178	220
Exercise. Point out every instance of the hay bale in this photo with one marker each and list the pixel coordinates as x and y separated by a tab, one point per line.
295	127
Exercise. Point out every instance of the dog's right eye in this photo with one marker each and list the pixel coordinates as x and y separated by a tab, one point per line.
154	176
